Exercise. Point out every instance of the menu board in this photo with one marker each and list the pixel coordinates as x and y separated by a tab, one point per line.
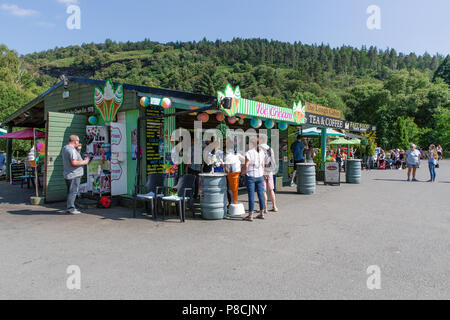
154	137
332	173
17	171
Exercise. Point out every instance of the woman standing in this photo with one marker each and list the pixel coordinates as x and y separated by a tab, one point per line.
432	160
412	161
254	172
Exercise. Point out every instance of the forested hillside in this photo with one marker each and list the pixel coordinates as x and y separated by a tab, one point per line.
398	93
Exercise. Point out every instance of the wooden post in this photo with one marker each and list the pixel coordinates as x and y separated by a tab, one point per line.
323	147
36	181
9	155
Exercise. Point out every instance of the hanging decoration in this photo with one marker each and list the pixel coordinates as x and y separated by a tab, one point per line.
203	117
232	120
211	111
269	124
193	107
108	101
166	103
256	123
144	102
220	117
230	93
242	116
299	112
92	120
282	126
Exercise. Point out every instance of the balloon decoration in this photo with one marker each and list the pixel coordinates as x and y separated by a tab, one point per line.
166	103
282	126
220	117
232	120
39	146
92	120
241	121
256	123
144	102
269	124
203	117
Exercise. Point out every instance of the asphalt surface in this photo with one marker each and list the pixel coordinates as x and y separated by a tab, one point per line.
316	247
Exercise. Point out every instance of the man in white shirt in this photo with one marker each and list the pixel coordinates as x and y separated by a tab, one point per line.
412	160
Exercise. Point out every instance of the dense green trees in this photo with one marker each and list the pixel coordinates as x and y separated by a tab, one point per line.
367	84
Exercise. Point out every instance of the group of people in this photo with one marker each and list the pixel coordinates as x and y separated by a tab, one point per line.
258	166
411	160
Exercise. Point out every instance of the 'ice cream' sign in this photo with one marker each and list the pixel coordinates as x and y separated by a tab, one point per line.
241	106
272	113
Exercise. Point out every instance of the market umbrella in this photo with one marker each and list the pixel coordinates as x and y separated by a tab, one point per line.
3	131
314	131
340	141
26	134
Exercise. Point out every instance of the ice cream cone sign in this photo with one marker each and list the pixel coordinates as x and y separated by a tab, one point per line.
108	101
299	112
230	93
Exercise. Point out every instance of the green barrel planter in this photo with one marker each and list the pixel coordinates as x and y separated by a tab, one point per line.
353	171
213	195
306	178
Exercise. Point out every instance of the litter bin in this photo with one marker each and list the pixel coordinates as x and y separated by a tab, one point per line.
306	178
213	195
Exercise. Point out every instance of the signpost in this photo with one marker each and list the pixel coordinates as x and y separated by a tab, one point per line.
332	173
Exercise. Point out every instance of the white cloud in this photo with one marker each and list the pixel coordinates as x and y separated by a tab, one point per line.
16	11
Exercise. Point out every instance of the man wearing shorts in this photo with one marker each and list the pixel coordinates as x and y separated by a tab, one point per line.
412	160
297	149
270	168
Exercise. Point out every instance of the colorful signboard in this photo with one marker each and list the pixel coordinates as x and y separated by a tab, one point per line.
332	173
259	109
154	140
108	101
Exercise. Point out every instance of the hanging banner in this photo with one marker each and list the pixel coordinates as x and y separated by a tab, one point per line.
118	159
154	140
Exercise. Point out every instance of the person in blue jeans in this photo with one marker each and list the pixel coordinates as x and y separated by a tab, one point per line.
254	177
297	149
432	160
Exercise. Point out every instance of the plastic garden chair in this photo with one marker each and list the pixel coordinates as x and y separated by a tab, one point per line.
155	182
184	196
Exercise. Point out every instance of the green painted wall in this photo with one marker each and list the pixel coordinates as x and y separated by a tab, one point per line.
60	127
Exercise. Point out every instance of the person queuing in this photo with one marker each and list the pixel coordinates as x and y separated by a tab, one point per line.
73	170
412	161
297	150
308	153
270	168
254	172
233	170
432	161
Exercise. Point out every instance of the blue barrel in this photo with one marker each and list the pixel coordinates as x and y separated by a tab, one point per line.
353	171
306	178
213	195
